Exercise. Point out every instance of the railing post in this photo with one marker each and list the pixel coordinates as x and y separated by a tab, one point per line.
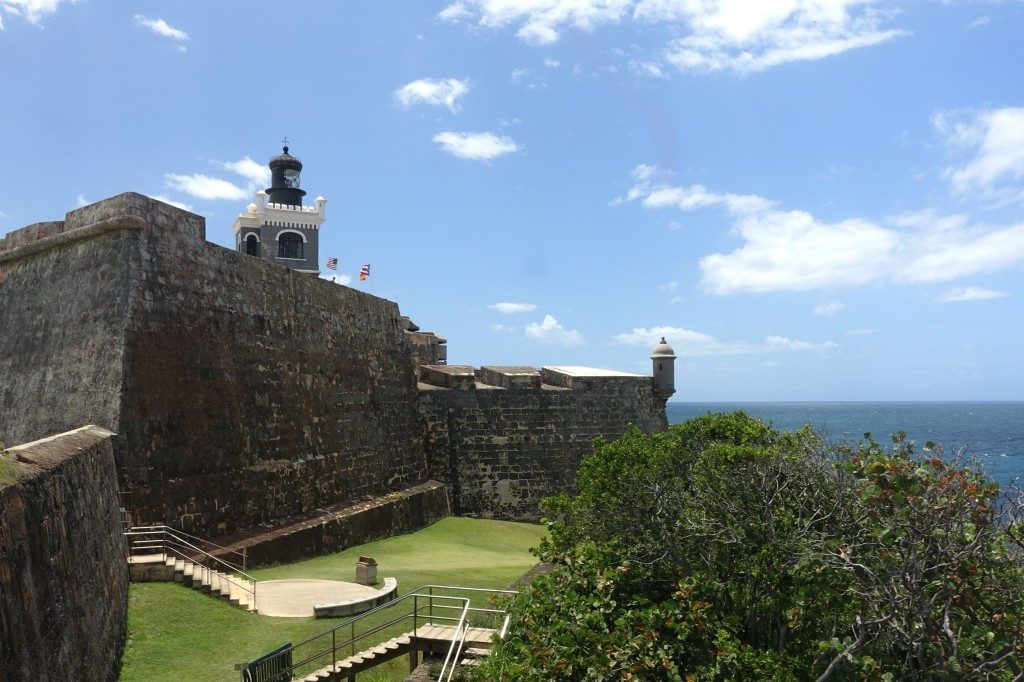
430	591
415	612
352	637
334	651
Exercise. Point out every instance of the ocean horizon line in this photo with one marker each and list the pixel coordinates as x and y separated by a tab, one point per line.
848	402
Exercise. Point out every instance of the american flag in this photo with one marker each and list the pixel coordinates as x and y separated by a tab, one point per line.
364	272
332	263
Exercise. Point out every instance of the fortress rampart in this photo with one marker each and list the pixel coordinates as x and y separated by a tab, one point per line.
506	437
63	576
245	394
241	392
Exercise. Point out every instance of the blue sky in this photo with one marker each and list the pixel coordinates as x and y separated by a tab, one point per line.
811	200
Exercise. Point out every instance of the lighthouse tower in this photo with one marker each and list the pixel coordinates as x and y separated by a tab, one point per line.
277	227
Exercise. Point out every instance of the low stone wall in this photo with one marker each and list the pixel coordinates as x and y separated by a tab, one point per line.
381	517
63	575
506	437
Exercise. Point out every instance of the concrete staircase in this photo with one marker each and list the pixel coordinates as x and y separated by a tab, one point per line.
345	668
220	585
478	642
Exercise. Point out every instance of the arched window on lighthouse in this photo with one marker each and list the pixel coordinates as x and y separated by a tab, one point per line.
289	245
252	245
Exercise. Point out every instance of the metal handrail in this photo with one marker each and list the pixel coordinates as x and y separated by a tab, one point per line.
504	626
218	548
420	614
353	638
161	535
458	639
244	553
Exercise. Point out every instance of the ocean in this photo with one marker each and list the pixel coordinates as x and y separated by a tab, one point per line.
994	431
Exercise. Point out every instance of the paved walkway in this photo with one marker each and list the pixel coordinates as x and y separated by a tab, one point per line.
295	598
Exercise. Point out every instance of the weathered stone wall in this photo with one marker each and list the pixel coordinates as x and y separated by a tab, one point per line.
241	392
253	392
506	437
382	517
63	575
245	393
62	319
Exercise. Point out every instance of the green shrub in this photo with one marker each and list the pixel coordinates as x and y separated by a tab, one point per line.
725	549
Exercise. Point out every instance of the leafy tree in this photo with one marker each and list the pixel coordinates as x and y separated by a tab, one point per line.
725	549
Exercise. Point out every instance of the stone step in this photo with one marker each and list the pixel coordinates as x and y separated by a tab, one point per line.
361	660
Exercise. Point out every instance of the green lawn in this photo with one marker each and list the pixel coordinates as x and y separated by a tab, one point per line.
176	633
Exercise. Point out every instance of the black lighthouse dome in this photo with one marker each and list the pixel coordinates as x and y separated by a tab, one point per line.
284	180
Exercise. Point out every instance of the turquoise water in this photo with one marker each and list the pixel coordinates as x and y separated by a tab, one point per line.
994	431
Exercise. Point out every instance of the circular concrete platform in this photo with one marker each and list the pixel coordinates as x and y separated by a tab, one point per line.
295	598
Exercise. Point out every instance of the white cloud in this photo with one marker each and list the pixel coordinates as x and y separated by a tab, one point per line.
828	308
502	328
669	286
337	278
210	188
205	187
690	343
81	201
550	331
172	202
716	35
540	21
161	27
475	146
551	63
525	78
861	332
782	343
512	308
978	23
444	92
256	173
746	37
31	10
959	294
995	138
652	188
795	251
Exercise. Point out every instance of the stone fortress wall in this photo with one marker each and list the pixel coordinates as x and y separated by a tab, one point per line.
234	396
63	576
241	392
248	394
506	437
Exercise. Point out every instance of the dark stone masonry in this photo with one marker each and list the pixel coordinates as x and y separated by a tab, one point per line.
63	576
506	437
245	394
245	401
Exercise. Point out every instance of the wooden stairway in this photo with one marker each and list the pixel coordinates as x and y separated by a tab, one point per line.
214	583
478	644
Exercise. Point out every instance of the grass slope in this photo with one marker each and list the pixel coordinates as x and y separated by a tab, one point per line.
176	633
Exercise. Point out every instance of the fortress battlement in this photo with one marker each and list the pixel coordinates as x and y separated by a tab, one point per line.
558	378
243	393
